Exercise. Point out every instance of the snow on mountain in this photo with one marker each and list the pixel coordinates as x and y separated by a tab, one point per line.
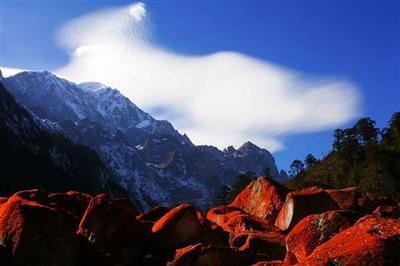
32	156
154	162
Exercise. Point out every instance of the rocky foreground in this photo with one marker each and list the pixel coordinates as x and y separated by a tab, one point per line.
267	224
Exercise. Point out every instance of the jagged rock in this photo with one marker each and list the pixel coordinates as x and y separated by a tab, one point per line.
314	230
371	241
300	203
208	255
262	198
235	220
73	202
260	246
111	233
178	227
154	214
388	211
32	233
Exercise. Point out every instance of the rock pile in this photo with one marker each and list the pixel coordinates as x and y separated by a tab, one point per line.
267	224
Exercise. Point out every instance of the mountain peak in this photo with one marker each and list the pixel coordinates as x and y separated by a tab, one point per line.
92	86
248	145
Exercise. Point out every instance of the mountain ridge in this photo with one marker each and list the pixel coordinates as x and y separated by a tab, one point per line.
154	162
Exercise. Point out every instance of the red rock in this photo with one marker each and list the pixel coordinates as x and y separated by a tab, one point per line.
208	255
201	218
299	204
269	263
178	227
260	246
34	234
35	195
314	230
154	214
388	211
235	220
371	241
222	214
72	202
214	234
262	198
3	200
352	198
111	232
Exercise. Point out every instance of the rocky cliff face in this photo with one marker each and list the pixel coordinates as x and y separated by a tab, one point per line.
34	156
152	160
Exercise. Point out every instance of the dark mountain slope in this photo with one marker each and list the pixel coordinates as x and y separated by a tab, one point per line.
32	157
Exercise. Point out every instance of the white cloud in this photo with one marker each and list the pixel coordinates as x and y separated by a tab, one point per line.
137	11
220	99
9	71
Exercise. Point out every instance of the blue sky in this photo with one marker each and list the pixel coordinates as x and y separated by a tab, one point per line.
358	42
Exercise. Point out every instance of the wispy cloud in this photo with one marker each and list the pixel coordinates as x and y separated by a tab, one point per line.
221	99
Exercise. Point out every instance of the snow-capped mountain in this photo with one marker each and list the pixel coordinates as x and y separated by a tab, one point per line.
33	157
153	161
248	157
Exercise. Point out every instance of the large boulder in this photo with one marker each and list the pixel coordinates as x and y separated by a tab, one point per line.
351	198
178	228
214	234
235	220
154	214
110	232
72	202
127	204
300	203
32	233
314	230
222	214
208	255
260	246
371	241
388	211
262	198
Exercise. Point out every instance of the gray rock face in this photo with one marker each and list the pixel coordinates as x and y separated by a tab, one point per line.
153	161
34	157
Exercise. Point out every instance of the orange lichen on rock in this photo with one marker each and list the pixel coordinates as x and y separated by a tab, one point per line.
3	200
300	203
34	234
314	230
371	241
178	227
111	231
352	198
262	198
235	220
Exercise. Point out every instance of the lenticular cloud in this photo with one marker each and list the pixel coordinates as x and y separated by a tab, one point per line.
221	99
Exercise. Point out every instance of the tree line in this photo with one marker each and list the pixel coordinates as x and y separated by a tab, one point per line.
362	155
